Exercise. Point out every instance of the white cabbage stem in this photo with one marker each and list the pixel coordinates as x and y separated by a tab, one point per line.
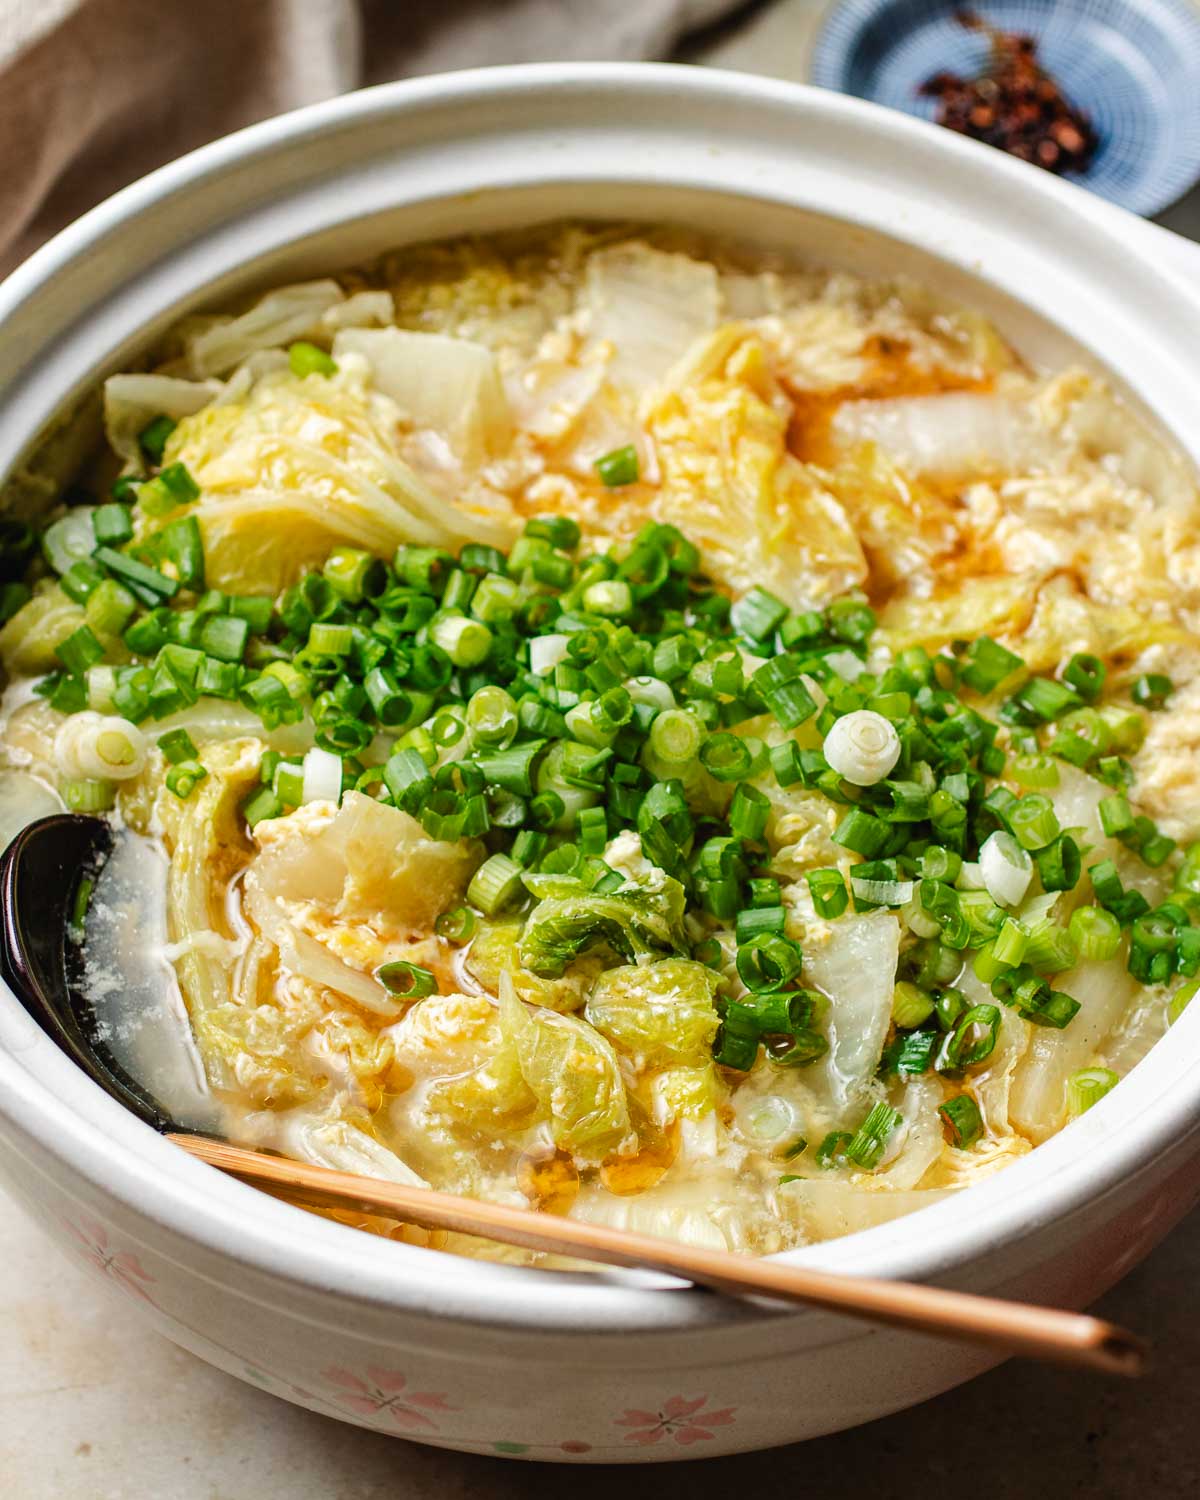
99	747
862	746
322	776
1006	869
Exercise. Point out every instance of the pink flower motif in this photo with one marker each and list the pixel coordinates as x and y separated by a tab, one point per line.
384	1391
120	1266
682	1419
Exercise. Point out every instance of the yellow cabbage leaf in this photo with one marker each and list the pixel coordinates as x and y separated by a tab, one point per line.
493	953
203	835
574	1073
729	482
28	640
661	1014
364	862
315	459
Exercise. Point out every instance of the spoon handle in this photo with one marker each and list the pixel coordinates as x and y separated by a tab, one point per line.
1011	1327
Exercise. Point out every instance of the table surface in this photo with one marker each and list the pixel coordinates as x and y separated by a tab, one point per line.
94	1407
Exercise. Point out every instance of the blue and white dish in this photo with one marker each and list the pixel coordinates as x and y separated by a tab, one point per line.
1133	66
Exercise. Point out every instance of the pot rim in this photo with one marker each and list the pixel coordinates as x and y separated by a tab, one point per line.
44	1098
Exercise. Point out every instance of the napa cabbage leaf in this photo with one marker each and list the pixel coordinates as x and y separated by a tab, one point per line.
659	1013
640	920
574	1073
450	385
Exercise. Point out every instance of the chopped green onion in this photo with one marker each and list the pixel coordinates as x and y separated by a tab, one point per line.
1051	949
466	642
456	925
183	778
911	1005
862	833
758	613
225	637
172	487
1010	942
1152	690
972	1040
178	746
89	796
1095	932
832	1150
752	921
492	716
79	651
1032	821
112	525
987	664
408	981
619	467
109	607
829	894
766	962
1086	674
963	1120
496	598
147	583
675	738
69	541
736	1042
1088	1087
261	804
609	597
1005	867
1040	700
153	437
866	1148
726	757
851	620
309	359
748	812
1034	771
1125	905
495	885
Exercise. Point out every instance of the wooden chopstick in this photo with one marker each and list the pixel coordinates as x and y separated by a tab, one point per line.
1012	1327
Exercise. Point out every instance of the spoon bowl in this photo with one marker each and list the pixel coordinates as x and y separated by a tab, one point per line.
42	876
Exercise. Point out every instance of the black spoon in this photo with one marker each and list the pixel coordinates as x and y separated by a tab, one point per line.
41	958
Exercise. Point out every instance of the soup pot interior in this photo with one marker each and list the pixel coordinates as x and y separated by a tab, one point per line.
825	180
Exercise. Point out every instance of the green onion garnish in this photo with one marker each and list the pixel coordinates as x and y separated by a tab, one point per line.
409	981
1088	1087
618	467
496	885
1152	690
309	359
962	1120
866	1148
153	437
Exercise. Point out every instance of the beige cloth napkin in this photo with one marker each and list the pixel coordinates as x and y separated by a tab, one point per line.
94	93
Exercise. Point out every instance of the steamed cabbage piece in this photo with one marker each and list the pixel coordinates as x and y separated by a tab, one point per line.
811	434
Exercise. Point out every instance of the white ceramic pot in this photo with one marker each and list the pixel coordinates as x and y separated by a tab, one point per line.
489	1358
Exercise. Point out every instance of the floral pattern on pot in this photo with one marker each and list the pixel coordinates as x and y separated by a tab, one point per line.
93	1245
680	1419
381	1392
